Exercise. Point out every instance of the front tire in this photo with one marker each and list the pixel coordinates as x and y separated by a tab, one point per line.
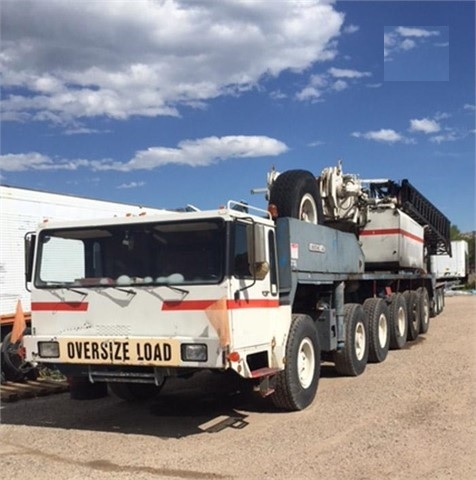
295	194
352	359
296	385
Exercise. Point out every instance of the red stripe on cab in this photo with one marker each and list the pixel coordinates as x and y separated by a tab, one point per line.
59	306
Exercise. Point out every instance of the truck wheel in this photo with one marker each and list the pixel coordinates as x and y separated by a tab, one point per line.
424	299
134	392
352	359
398	321
413	314
80	388
296	385
295	194
442	300
379	331
14	366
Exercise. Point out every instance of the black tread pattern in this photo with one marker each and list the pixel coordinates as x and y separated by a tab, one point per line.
288	189
374	308
346	361
397	340
289	394
425	310
413	314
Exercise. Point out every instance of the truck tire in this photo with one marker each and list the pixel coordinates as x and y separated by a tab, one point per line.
134	392
433	311
413	314
398	321
352	359
442	300
13	364
296	385
295	194
424	299
80	388
379	329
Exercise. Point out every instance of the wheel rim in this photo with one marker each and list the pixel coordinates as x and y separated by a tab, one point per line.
308	209
382	330
359	341
306	363
401	321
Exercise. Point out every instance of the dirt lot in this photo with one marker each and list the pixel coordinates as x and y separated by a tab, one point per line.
412	417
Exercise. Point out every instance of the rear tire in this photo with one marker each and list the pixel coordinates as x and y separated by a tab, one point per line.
296	385
413	314
379	329
398	321
424	309
295	194
352	359
134	392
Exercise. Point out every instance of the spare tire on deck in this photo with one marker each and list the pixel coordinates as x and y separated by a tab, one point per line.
295	194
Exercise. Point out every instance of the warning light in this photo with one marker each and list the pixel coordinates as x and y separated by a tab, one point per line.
234	357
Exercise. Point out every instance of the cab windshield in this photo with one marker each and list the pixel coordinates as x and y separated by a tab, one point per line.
170	253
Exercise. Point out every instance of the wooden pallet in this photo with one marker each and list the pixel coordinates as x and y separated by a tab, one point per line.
13	391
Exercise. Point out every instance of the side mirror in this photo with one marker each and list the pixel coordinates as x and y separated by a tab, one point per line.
258	261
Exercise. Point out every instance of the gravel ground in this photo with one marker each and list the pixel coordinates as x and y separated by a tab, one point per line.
412	416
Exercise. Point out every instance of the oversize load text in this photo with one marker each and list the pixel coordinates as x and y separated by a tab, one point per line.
119	351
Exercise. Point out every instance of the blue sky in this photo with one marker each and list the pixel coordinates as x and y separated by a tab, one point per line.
168	103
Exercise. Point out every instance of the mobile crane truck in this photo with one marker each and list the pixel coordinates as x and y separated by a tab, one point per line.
335	269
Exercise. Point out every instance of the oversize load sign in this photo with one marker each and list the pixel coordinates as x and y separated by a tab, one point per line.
120	352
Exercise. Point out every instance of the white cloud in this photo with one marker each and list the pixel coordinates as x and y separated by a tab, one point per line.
416	32
70	61
323	83
407	44
424	125
314	90
351	28
470	107
131	185
316	143
194	153
339	85
18	162
347	73
384	135
402	39
448	136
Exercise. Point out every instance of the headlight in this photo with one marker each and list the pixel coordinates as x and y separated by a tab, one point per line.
196	352
48	349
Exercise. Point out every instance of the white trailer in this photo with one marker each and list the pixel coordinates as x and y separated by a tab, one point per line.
452	267
21	210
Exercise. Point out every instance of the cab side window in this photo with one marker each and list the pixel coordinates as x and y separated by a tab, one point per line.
241	268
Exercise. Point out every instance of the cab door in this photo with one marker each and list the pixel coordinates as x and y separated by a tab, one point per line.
254	287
